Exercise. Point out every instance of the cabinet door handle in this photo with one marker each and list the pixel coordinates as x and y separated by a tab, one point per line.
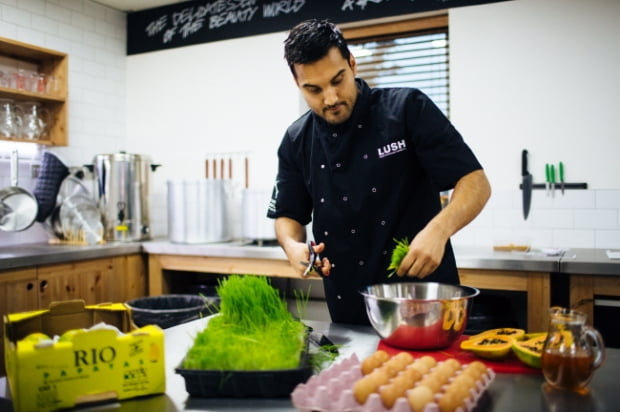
43	286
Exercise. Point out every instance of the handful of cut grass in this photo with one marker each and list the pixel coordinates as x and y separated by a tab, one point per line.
398	254
254	330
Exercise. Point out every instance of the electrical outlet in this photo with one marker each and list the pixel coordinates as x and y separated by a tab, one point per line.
34	171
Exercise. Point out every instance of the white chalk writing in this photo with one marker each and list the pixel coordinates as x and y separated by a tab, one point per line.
192	19
350	4
233	16
156	26
282	7
169	34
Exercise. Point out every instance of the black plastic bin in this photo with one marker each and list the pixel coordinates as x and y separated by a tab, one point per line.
170	310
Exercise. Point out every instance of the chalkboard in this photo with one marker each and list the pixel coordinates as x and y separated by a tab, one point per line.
195	22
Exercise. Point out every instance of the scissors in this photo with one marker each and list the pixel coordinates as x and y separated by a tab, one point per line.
311	265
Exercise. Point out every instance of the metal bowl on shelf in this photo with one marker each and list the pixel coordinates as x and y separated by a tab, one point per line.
418	315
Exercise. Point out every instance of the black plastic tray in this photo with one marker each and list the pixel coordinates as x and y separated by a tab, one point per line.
244	384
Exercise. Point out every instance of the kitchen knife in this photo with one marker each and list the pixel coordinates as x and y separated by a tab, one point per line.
547	179
561	170
526	185
552	172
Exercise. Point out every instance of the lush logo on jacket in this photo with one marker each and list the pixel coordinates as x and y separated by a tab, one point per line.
392	148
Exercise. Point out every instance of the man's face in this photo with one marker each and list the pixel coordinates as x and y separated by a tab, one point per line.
328	86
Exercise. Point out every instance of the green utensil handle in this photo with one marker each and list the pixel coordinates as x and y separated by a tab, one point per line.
561	171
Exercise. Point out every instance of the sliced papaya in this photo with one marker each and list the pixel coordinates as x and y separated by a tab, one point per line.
531	335
530	351
489	347
506	332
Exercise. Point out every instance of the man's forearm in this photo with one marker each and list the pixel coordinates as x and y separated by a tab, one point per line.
289	230
469	196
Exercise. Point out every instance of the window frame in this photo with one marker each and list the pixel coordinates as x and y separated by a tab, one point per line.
406	27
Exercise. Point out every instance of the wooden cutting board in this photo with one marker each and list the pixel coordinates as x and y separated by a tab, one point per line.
510	364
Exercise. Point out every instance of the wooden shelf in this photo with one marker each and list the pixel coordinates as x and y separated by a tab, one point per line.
52	64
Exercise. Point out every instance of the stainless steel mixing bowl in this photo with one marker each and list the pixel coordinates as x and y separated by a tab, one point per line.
418	315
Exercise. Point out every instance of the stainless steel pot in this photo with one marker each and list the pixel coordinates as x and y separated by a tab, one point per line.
123	195
18	207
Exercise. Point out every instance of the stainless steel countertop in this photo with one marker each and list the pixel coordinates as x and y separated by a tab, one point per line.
590	262
585	261
35	254
507	392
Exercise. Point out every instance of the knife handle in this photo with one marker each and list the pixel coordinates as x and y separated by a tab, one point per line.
547	173
561	170
524	162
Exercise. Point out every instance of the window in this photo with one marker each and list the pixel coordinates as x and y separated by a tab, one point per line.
411	53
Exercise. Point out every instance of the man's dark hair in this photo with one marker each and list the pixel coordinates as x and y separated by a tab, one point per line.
310	41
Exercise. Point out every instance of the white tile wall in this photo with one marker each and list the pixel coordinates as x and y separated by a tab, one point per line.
94	37
579	218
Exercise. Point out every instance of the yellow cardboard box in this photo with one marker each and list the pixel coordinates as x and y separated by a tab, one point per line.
91	366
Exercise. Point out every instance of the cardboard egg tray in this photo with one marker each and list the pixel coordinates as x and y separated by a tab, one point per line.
332	390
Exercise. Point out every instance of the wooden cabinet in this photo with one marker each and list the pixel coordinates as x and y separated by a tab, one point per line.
52	94
91	280
537	285
18	293
113	279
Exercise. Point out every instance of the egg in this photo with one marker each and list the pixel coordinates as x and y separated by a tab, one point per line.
418	397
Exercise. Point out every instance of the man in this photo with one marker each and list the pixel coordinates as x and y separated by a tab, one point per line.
366	166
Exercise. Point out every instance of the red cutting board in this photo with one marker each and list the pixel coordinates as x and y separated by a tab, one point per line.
508	365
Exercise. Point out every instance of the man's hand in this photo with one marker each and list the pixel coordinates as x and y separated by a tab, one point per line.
425	253
427	248
292	238
299	258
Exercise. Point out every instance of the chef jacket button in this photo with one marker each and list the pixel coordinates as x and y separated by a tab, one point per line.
361	262
353	231
385	252
345	198
338	297
326	233
338	164
334	134
383	223
322	200
374	190
322	166
365	156
359	126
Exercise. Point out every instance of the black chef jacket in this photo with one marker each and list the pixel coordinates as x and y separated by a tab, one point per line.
366	182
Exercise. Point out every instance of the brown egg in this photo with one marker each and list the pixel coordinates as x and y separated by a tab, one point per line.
442	371
362	390
412	374
429	361
392	391
420	366
448	402
374	361
432	382
418	397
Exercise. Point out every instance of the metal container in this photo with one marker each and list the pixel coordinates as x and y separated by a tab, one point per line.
255	224
123	195
199	211
418	315
18	207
